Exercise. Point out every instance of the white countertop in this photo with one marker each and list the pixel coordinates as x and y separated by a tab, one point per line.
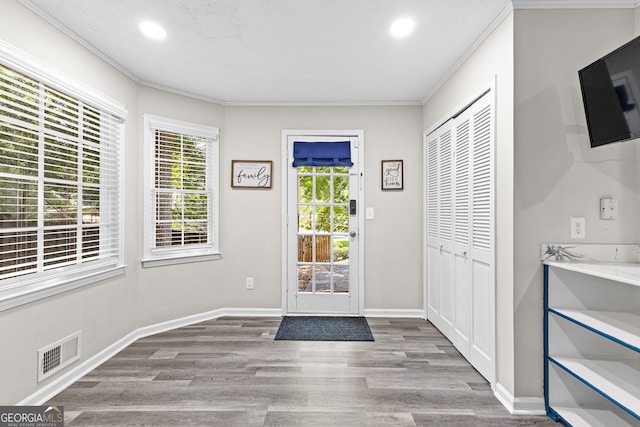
620	272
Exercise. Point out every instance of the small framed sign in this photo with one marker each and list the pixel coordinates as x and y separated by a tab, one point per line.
251	173
392	175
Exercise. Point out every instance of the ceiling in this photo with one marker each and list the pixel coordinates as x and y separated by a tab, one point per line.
280	51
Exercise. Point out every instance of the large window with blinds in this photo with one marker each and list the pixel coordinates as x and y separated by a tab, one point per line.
59	177
181	196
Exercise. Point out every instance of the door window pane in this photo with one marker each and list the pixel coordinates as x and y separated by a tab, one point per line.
341	264
341	189
341	169
323	278
304	278
341	278
305	218
323	248
323	219
341	249
305	189
340	219
323	189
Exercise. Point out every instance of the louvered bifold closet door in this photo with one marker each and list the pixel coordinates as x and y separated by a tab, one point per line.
439	198
432	226
445	214
460	232
482	250
461	337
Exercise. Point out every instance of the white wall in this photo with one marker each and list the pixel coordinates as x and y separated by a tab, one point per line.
393	244
492	60
546	171
557	175
103	311
175	291
106	312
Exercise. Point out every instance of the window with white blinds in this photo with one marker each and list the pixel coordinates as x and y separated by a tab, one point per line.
181	191
59	178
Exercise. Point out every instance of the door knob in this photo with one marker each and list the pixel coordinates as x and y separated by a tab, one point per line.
352	234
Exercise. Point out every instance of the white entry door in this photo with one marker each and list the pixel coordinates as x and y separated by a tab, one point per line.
323	231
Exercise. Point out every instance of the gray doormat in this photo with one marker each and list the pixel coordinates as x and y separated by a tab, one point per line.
324	328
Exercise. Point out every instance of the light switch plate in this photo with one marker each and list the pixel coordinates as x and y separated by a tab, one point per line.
370	214
608	208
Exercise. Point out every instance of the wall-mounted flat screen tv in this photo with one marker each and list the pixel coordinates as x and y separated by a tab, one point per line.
611	95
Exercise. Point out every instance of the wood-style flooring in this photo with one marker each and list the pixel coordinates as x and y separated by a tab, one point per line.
230	372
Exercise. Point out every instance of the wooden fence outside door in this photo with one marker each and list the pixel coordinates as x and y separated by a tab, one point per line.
305	248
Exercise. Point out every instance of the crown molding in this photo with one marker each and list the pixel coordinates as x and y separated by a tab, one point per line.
575	4
279	103
76	37
506	11
181	92
322	103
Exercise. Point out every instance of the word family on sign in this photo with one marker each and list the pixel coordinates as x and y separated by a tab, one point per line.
259	177
249	174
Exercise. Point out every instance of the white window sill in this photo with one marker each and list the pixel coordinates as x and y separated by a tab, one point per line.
37	290
182	259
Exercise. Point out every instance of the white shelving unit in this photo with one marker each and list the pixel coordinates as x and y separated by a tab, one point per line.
592	343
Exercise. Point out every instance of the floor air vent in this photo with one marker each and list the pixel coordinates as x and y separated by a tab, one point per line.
56	356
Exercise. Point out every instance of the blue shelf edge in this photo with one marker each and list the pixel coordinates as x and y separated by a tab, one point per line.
594	388
596	331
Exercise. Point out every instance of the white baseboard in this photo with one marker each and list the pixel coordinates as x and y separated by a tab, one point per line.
252	312
65	380
201	317
375	312
519	405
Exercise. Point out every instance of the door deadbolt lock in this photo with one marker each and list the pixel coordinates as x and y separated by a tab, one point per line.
352	234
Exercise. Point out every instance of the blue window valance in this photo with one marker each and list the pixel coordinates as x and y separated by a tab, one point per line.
322	153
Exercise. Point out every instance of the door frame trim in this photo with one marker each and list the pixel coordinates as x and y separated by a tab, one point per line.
286	133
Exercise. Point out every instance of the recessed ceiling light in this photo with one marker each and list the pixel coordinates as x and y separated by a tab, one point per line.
152	30
402	27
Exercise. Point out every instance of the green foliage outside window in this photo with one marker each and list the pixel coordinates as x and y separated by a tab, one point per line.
182	199
330	198
23	104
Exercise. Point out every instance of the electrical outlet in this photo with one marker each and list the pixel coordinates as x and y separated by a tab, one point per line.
578	227
249	283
